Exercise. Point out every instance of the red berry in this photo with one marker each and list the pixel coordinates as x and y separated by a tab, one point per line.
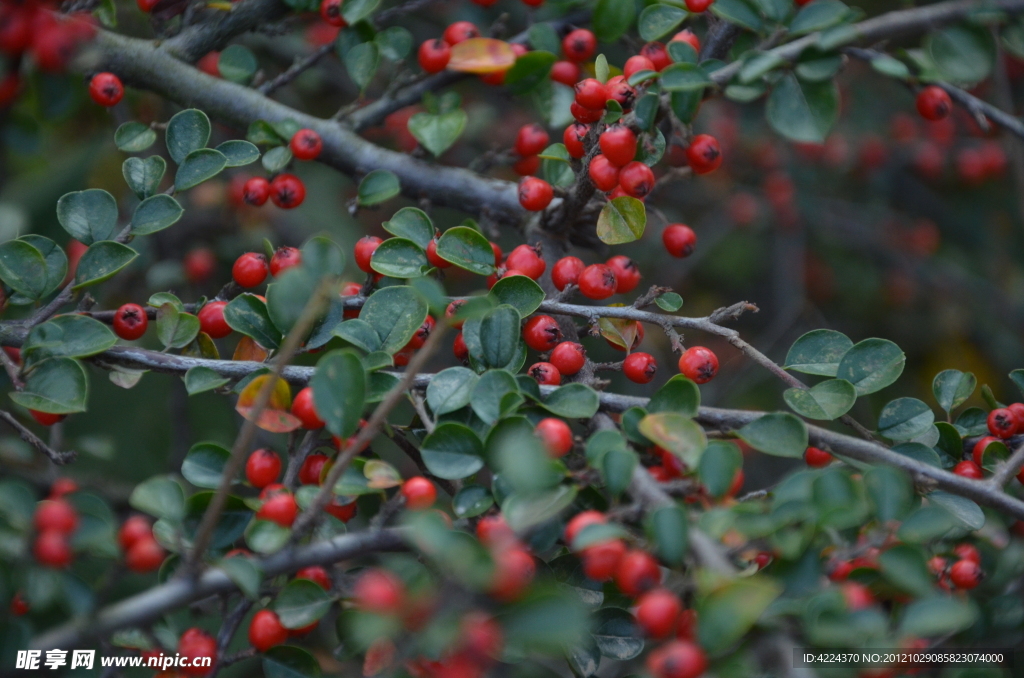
256	191
627	273
933	103
546	374
199	264
657	611
280	508
433	257
1002	423
15	29
364	249
266	630
635	64
343	512
527	260
591	93
61	487
514	570
55	515
250	269
965	574
306	144
967	552
701	5
211	319
330	12
621	91
304	408
968	469
46	418
566	271
283	259
699	364
262	468
689	37
568	357
459	348
130	322
556	435
542	333
52	549
312	468
565	72
639	367
419	493
287	191
52	48
978	452
434	55
19	606
459	31
531	140
106	89
421	335
601	561
637	572
618	144
679	239
603	173
585	115
1018	412
573	139
145	555
704	154
133	529
579	45
598	281
657	54
581	520
636	179
817	458
679	658
498	254
317	575
524	167
379	591
535	194
194	646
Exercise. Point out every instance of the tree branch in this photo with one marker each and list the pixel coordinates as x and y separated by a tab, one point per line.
57	457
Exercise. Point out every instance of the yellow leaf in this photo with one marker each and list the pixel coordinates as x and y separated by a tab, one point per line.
482	55
275	417
620	332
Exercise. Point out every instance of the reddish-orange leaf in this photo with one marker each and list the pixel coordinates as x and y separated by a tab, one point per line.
248	349
481	55
280	399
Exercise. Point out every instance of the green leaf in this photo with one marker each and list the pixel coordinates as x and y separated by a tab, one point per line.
378	186
451	389
529	71
612	18
55	259
134	137
937	616
905	419
102	261
543	37
89	216
678	434
923	453
669	301
890	66
399	258
437	133
728	612
952	388
355	11
524	510
288	296
247	314
488	392
413	224
467	248
617	634
56	386
679	394
499	336
602	442
817	16
23	268
276	159
718	466
658	20
890	491
519	456
395	313
583	658
155	214
187	131
815	68
621	220
686	104
67	336
300	603
204	465
601	71
667	527
926	524
617	468
871	365
197	167
737	12
471	501
244	573
199	379
264	536
803	111
829	399
239	152
288	661
143	175
261	133
322	257
963	54
779	434
520	292
572	401
452	451
682	52
238	64
359	333
684	77
394	43
174	328
966	512
159	496
906	568
757	66
339	390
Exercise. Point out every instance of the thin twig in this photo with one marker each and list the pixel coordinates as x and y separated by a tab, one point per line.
59	458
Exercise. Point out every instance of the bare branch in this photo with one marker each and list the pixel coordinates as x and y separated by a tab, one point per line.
59	458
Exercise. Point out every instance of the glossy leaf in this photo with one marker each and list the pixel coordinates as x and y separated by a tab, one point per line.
239	152
718	466
471	501
197	167
23	268
829	399
395	313
658	20
438	132
499	336
729	611
339	390
467	248
204	465
520	292
155	214
89	216
952	388
143	175
677	433
963	54
621	220
530	70
818	16
102	261
399	258
300	603
159	496
612	18
248	315
174	328
187	131
905	419
617	634
452	451
238	64
199	379
134	137
871	365
803	111
779	434
488	392
56	386
684	77
572	401
68	336
377	187
413	224
678	394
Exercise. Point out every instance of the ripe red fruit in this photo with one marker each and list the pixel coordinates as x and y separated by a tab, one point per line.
591	93
657	54
1002	423
304	408
498	254
306	144
598	281
679	658
639	367
627	273
459	348
250	269
317	575
817	458
603	173
581	520
531	140
573	139
699	364
568	357
965	574
145	555
419	493
967	552
556	435
280	508
527	260
601	561
621	91
546	374
933	103
420	336
636	179
637	63
55	515
541	333
330	12
311	469
566	271
637	572
364	249
262	468
266	630
199	264
565	72
343	512
657	611
61	487
679	240
535	194
704	154
433	257
968	469
379	591
579	45
459	31
585	115
193	645
494	532
256	191
434	55
979	448
51	549
211	319
46	418
130	322
106	89
287	191
19	606
689	37
524	167
514	570
133	529
699	5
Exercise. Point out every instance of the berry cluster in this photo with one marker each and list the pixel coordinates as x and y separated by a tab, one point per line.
1003	423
